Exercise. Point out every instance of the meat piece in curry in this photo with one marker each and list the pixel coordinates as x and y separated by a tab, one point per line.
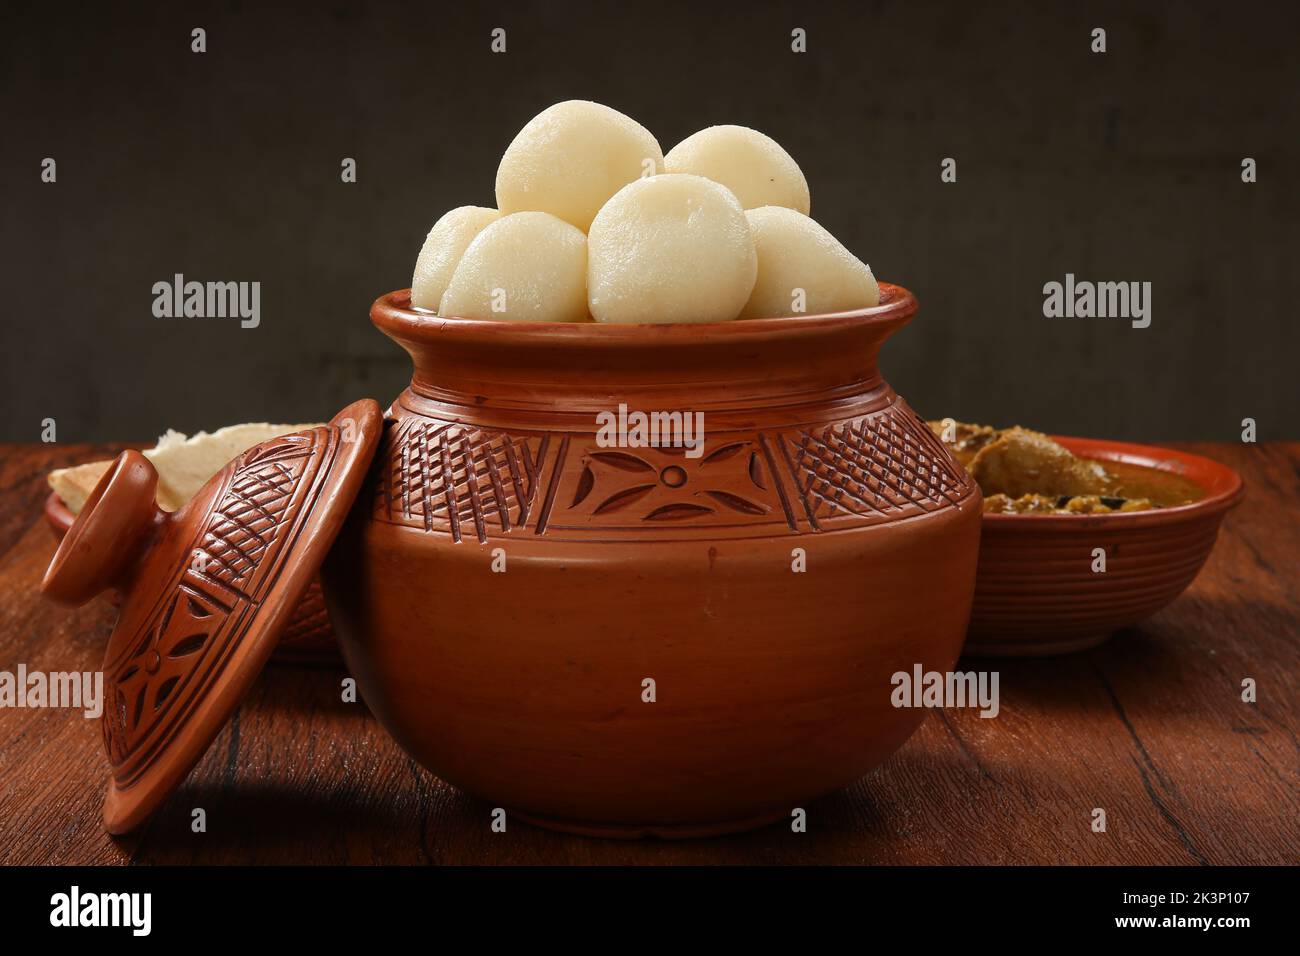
1021	471
1020	462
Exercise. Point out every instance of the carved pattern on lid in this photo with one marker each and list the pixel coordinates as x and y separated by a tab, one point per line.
164	668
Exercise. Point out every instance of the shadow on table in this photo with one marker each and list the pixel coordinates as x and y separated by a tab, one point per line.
430	822
1170	659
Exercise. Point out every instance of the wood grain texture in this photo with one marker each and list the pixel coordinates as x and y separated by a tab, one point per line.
1150	726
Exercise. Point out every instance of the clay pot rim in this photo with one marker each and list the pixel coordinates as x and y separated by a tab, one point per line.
392	314
1223	490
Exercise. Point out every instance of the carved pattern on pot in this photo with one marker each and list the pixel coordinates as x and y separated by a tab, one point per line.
478	483
461	480
161	671
872	469
309	633
664	484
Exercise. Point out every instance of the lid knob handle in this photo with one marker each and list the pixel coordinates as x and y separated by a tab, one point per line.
108	535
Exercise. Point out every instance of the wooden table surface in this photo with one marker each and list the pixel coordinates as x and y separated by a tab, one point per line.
1150	726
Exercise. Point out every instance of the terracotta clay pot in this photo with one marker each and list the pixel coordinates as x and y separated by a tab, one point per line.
616	640
1038	593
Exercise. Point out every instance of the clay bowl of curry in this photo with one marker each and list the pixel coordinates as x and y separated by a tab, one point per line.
1083	537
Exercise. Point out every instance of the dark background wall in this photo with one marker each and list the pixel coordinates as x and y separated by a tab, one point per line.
225	166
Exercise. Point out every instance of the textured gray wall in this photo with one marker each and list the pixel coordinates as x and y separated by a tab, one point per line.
225	165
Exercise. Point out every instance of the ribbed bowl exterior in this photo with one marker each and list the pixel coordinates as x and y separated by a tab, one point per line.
1037	592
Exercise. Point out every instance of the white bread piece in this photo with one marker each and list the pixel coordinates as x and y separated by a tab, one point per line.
184	464
74	485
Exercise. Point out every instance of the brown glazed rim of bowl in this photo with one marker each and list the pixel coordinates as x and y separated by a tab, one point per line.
1223	489
393	314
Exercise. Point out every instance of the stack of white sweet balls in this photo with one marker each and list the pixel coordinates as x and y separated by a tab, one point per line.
594	223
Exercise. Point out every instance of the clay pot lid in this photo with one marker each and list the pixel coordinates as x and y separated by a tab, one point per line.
206	591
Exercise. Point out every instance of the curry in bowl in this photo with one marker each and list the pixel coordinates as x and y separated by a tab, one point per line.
1082	537
1025	472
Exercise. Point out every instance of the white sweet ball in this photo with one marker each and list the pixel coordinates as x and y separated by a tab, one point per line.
442	249
750	164
570	158
670	249
525	267
797	255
